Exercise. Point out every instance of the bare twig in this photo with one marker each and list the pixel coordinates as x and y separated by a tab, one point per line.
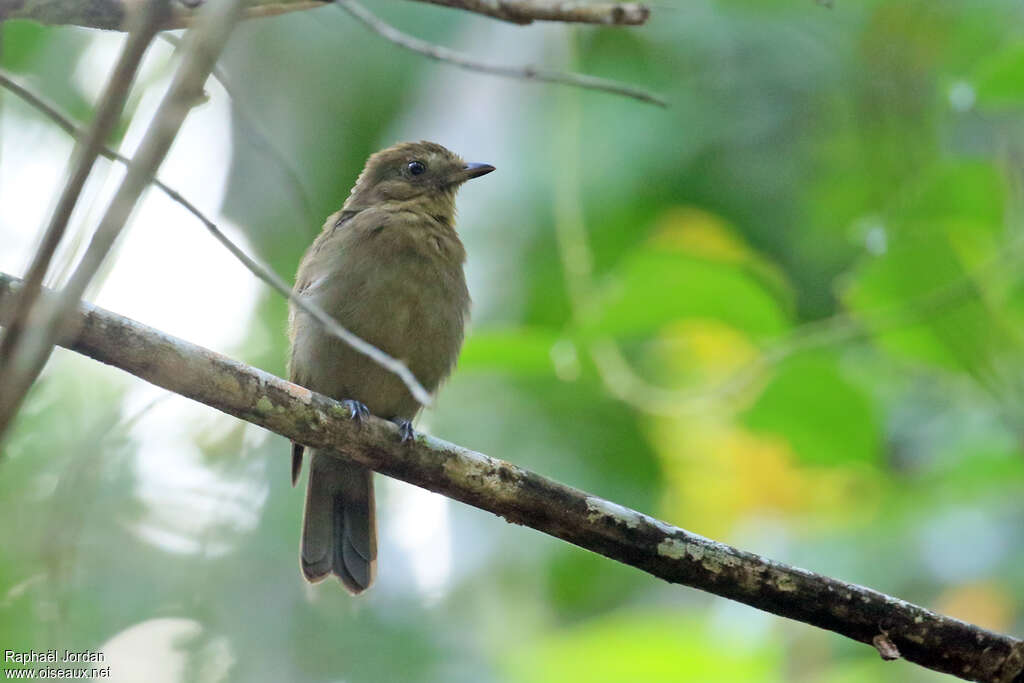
528	11
531	73
203	46
523	497
262	272
115	14
54	113
109	110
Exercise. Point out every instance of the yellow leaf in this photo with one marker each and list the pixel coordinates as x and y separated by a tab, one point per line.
718	474
700	233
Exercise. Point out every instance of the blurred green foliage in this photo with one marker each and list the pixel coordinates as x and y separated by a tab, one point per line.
798	329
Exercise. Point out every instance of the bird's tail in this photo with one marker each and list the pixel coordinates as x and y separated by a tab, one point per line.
339	532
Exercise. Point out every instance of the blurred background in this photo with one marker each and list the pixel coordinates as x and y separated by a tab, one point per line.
786	312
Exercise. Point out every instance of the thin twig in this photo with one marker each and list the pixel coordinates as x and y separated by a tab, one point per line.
528	11
530	73
204	44
111	104
262	272
523	497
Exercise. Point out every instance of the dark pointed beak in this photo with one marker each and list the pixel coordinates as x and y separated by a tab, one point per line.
475	170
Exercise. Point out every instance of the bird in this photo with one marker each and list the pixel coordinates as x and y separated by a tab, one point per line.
388	266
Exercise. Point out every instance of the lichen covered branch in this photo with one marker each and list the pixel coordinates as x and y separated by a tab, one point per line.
523	497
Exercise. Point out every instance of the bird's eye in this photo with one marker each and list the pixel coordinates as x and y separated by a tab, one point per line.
416	167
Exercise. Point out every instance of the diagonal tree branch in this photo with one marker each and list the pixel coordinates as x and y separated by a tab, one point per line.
530	73
894	627
116	14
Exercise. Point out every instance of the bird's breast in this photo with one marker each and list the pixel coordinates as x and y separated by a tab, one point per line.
405	298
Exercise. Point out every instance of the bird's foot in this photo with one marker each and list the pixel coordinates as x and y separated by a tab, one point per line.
405	430
357	410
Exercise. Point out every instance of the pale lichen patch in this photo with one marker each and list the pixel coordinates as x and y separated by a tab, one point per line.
598	508
709	558
752	577
784	582
663	527
264	405
298	392
712	562
227	383
714	558
672	548
477	472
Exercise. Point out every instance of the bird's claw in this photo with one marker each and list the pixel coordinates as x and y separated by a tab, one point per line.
405	431
356	409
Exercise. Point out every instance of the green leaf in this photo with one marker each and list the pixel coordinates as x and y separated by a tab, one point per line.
825	418
644	646
522	351
654	287
968	191
999	83
22	41
925	305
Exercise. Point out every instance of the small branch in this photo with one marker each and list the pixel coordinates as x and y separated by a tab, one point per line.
204	44
528	11
530	73
331	325
14	363
523	497
116	14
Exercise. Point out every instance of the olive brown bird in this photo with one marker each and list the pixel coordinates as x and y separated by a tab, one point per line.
389	267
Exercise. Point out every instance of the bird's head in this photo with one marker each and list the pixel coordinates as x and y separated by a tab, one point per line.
414	175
